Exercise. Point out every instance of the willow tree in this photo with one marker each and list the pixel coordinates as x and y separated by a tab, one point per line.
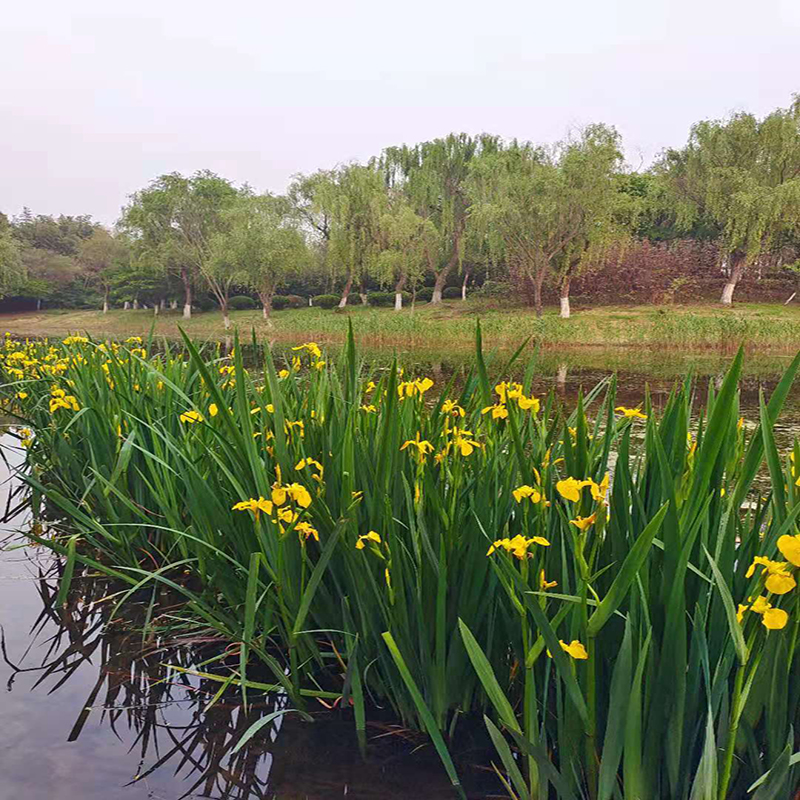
406	239
594	214
344	207
433	175
262	245
173	221
12	270
739	176
101	258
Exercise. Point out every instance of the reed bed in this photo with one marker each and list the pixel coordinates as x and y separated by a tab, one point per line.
602	586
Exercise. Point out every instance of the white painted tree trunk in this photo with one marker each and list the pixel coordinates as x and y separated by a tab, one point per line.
155	309
561	377
173	304
437	295
163	304
135	303
38	303
343	302
464	291
727	293
105	306
565	308
187	311
264	312
398	301
226	321
126	305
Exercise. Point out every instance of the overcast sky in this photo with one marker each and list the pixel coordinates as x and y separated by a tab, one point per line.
99	97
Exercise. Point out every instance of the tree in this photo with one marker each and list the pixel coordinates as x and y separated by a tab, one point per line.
173	221
101	257
741	178
261	246
406	239
593	212
346	206
12	269
432	175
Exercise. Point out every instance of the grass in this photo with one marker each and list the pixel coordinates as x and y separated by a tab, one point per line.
370	538
767	327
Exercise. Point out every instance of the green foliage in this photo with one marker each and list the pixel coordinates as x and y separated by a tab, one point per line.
391	561
386	299
451	293
425	294
281	301
242	302
326	300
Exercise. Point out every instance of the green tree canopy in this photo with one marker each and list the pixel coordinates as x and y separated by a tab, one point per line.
102	257
740	177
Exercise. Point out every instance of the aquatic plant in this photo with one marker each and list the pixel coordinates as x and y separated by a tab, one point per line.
604	585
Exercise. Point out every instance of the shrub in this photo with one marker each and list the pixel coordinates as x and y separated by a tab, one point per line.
496	289
241	302
425	294
280	301
205	302
385	299
452	293
296	301
326	300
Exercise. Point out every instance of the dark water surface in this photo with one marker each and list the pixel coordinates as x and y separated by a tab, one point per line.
88	711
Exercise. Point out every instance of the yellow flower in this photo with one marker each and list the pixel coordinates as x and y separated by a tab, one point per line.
574	649
631	413
600	490
423	446
760	605
740	612
544	583
22	395
583	523
451	407
284	373
464	445
278	494
191	416
518	546
570	488
262	504
780	582
524	491
528	403
372	536
304	530
213	410
499	411
299	494
790	548
370	409
310	347
774	619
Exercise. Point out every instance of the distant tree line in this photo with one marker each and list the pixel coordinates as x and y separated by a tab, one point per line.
421	220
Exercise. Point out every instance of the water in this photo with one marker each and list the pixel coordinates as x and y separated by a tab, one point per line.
87	712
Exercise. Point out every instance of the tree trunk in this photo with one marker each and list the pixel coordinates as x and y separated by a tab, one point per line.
187	289
38	303
737	269
565	297
363	296
135	303
105	302
346	291
561	377
155	309
441	277
126	305
226	318
173	304
464	285
398	293
537	293
163	304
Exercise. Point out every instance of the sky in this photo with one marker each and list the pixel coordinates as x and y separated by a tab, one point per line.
98	98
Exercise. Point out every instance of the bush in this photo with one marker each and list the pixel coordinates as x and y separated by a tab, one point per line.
385	299
281	301
326	300
425	294
242	302
497	289
452	293
205	302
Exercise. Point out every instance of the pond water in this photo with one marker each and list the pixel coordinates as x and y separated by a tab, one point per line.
89	710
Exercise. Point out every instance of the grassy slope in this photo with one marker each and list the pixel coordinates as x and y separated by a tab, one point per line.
764	327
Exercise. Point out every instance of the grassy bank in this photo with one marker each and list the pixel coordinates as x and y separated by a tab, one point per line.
378	540
762	327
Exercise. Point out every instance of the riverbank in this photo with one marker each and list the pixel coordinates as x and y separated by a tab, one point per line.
761	327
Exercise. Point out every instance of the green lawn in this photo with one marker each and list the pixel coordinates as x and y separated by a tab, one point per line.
763	327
